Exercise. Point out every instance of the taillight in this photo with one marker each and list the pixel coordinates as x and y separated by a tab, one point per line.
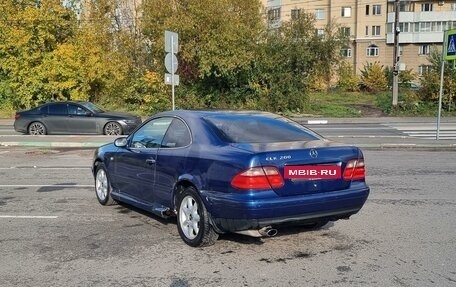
258	178
17	116
354	170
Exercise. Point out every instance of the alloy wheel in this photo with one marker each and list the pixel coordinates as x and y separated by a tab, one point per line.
189	218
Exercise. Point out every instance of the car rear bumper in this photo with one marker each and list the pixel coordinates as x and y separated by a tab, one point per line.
235	215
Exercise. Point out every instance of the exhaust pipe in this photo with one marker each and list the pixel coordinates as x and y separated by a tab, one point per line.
267	231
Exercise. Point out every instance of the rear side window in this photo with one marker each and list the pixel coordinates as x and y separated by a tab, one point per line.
58	109
259	129
41	110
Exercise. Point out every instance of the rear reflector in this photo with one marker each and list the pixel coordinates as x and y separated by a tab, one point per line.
354	170
258	178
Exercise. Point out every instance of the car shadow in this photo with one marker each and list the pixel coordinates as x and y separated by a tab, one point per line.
281	231
134	212
124	208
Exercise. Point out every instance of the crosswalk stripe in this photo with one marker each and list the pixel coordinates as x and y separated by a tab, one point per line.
427	130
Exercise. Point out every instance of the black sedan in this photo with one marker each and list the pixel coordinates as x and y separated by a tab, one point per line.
73	118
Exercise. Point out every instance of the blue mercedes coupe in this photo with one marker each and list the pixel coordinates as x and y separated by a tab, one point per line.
246	172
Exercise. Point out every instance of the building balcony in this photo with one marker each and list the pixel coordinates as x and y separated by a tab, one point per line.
419	37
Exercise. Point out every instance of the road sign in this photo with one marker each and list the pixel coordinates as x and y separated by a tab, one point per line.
171	63
450	45
171	42
169	79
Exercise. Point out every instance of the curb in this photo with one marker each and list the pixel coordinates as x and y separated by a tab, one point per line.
52	144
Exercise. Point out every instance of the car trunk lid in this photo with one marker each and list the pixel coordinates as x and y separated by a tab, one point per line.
303	158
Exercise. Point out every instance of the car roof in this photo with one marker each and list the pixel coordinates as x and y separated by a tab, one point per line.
209	113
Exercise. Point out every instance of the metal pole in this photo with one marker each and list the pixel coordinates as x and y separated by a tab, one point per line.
441	84
172	70
396	53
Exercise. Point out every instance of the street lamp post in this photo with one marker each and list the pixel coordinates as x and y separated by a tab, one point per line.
396	53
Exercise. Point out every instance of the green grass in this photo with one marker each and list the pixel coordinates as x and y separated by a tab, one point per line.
341	104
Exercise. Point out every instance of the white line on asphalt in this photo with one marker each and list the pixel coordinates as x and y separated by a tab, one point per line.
44	167
317	122
46	185
367	136
29	216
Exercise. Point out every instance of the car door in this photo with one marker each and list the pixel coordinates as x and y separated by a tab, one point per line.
172	160
56	118
80	120
134	168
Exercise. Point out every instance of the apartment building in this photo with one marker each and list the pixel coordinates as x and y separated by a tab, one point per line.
370	26
125	16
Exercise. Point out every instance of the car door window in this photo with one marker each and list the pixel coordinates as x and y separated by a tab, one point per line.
151	134
177	135
58	110
75	110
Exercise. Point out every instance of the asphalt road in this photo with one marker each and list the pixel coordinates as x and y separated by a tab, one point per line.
54	232
370	133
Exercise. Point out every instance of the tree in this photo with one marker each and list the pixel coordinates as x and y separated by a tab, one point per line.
430	81
348	80
217	37
29	34
373	77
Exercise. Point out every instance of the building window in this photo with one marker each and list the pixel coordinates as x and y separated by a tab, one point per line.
424	69
423	27
345	31
295	14
376	9
367	30
320	32
319	14
274	14
367	9
372	51
425	49
376	31
404	27
437	26
346	12
453	6
404	6
346	52
426	7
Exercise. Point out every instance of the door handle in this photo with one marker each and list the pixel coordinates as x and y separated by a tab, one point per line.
150	161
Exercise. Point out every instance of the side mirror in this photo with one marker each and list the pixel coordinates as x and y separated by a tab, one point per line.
120	142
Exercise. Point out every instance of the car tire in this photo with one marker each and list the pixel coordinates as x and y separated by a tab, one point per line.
36	128
112	129
103	186
193	220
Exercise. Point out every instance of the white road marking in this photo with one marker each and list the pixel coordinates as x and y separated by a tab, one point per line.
29	216
46	185
44	167
317	122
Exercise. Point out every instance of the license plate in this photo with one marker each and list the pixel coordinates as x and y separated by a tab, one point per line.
313	172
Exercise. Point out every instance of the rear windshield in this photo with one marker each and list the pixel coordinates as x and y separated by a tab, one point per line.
235	128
